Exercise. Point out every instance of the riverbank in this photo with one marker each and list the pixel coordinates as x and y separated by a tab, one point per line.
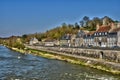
94	63
15	65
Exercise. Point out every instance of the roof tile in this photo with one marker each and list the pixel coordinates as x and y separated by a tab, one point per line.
104	29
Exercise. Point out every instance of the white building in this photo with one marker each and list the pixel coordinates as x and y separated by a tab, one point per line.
118	39
33	41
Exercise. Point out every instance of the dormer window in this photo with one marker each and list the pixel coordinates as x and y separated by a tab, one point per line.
105	33
102	33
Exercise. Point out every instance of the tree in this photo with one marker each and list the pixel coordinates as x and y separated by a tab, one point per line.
77	26
64	25
91	25
0	41
81	23
116	21
97	20
86	19
24	36
106	20
71	26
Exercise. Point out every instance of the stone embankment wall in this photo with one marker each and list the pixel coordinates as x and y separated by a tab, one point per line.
107	60
108	55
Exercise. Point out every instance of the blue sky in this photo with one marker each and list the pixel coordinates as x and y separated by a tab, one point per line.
19	17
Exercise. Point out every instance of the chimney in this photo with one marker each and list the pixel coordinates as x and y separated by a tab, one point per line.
97	27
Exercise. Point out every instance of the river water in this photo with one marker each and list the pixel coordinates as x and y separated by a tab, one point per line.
17	66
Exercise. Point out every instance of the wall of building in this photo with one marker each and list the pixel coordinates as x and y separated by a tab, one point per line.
118	40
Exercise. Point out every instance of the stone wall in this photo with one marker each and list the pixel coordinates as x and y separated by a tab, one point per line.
109	55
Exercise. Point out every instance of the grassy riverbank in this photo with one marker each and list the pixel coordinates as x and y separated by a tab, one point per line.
80	61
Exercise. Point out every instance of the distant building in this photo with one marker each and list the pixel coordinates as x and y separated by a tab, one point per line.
89	39
49	42
72	41
112	39
79	41
65	40
115	34
100	36
107	35
33	41
118	25
118	38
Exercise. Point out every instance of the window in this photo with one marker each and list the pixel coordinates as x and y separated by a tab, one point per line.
95	34
99	33
105	33
118	33
102	33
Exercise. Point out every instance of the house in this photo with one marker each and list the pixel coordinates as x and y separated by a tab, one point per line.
49	42
100	36
114	37
89	39
79	41
118	25
33	41
107	35
65	40
118	38
72	40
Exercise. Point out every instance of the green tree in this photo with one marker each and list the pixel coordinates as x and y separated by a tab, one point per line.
77	26
85	20
106	20
81	23
97	20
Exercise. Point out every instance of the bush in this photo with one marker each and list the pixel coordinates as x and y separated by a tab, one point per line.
18	45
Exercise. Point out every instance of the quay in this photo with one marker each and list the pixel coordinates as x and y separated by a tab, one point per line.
107	60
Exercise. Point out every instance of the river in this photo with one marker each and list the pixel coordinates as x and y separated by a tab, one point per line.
17	66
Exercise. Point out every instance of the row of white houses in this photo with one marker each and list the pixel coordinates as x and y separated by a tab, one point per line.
104	36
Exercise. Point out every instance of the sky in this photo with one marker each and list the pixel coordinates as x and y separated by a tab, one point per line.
18	17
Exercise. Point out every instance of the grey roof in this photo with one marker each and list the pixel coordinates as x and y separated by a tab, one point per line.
80	34
66	37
